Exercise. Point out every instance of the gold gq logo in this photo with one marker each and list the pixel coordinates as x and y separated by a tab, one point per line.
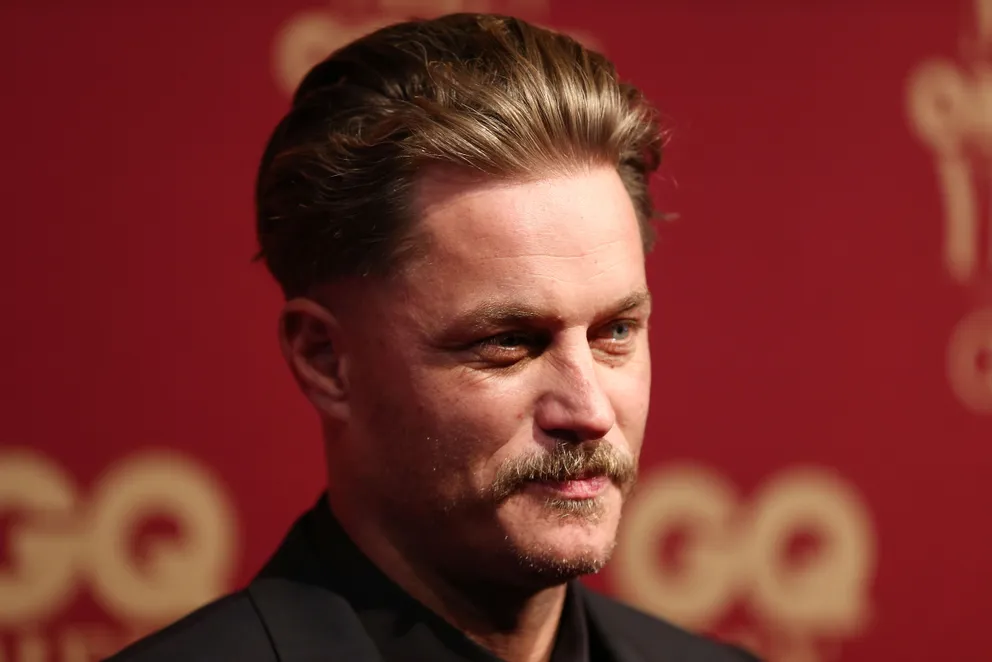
950	109
63	542
736	554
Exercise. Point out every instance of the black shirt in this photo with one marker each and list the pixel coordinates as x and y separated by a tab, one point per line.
403	629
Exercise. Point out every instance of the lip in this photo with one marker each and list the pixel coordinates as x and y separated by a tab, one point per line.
581	488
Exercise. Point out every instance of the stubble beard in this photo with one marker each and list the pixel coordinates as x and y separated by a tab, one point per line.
546	567
539	565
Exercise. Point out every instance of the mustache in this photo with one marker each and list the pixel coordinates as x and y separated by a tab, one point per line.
566	462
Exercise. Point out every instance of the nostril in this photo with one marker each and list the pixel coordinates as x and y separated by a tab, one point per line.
565	435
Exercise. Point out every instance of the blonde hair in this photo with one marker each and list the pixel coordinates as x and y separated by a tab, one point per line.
487	94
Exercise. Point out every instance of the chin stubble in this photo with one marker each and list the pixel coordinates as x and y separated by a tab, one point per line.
550	569
588	510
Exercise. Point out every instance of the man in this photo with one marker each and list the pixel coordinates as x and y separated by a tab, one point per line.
457	211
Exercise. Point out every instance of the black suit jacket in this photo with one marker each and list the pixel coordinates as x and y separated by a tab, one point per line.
291	612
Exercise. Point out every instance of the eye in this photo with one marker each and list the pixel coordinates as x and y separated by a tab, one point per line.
617	337
621	330
505	349
511	340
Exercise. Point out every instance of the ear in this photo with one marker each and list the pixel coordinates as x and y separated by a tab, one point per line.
311	340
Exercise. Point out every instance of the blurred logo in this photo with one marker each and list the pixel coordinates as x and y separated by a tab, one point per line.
786	572
152	540
310	36
950	110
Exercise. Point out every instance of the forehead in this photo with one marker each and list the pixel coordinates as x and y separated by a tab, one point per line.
566	240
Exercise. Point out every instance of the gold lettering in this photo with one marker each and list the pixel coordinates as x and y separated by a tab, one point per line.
73	647
969	378
945	113
950	110
43	553
32	647
88	643
180	574
309	37
737	552
57	543
983	16
827	593
666	500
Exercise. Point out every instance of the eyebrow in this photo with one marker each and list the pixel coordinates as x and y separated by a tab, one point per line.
495	313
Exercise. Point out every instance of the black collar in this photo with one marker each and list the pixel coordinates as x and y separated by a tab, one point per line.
326	577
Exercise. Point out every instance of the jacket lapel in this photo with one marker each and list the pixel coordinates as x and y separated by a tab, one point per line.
308	623
605	627
306	619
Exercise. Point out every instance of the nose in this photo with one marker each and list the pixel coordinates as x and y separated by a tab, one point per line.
574	406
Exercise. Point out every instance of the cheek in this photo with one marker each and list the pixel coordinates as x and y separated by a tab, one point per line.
386	409
480	421
631	395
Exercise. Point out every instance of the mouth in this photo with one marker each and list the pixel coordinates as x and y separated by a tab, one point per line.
581	487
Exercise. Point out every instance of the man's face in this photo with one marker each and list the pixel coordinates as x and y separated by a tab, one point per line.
498	387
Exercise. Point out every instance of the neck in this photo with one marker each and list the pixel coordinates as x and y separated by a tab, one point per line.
518	630
516	625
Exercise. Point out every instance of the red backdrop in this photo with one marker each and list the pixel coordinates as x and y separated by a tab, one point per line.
817	474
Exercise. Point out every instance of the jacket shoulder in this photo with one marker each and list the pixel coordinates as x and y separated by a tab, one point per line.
227	629
656	639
